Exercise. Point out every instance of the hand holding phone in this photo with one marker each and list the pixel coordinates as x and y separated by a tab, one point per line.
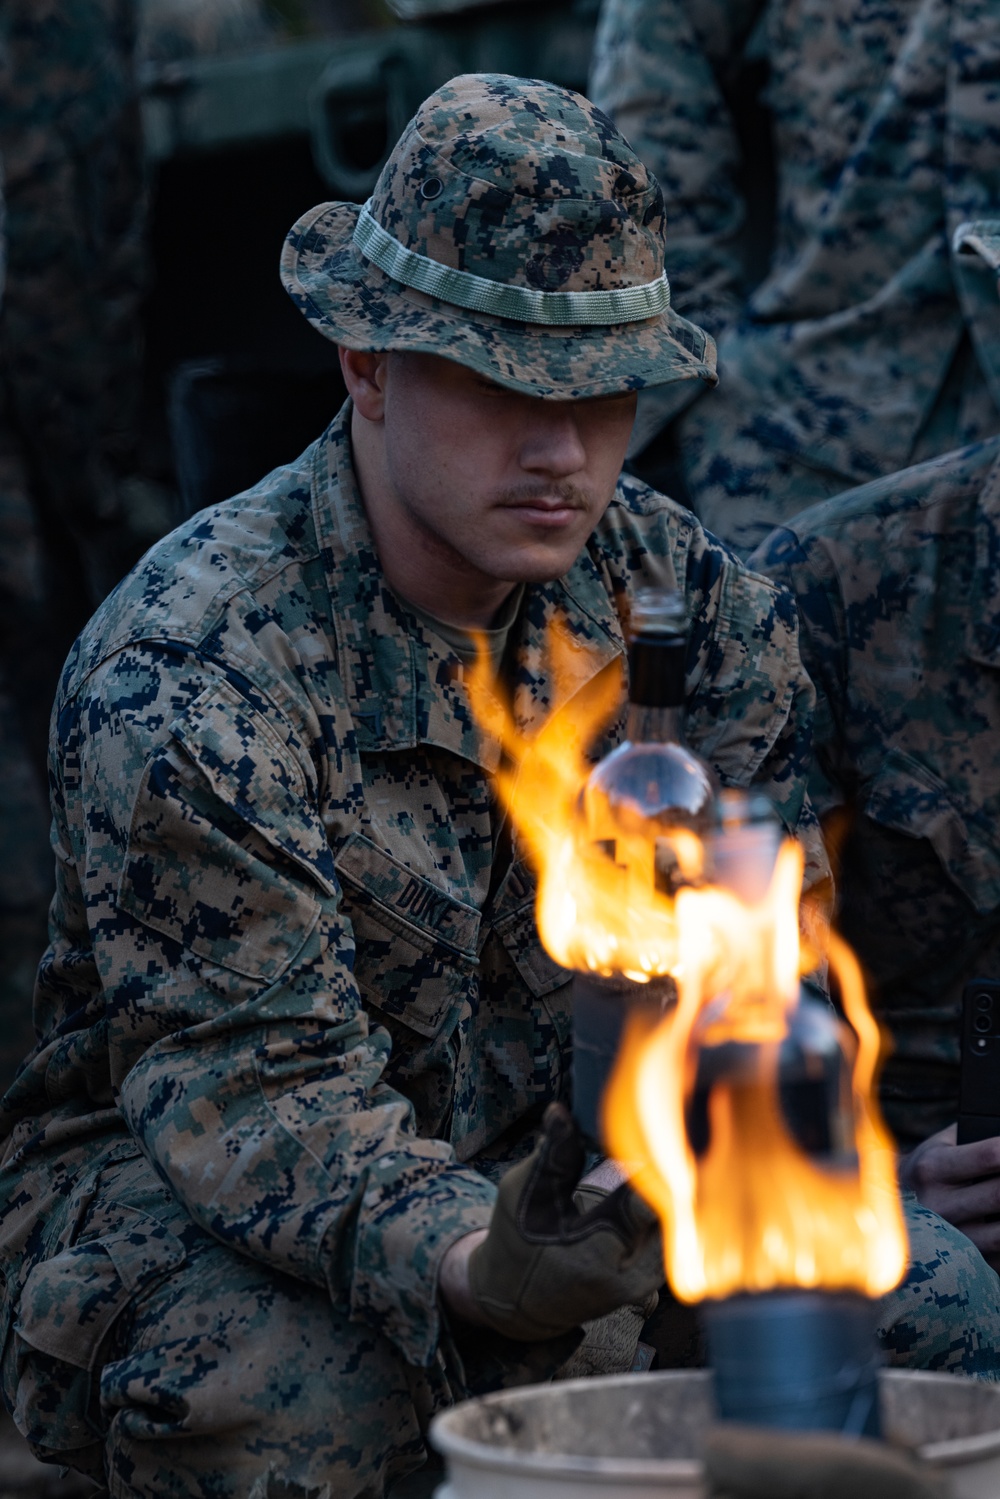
957	1171
961	1183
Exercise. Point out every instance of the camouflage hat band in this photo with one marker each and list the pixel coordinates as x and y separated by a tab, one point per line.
626	304
512	230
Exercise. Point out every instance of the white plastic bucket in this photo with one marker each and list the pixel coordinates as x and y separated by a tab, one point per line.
637	1436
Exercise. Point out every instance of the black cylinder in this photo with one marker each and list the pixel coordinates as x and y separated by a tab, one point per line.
656	665
600	1007
801	1360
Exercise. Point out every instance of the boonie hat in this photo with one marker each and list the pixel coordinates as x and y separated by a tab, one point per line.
514	230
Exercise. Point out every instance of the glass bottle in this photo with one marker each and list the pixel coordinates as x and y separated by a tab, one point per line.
650	806
815	1057
651	802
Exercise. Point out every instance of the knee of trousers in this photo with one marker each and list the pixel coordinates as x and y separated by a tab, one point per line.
146	1354
945	1315
231	1370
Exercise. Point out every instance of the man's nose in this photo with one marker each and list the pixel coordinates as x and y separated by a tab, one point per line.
551	442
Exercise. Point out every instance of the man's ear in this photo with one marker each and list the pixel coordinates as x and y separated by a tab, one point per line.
364	374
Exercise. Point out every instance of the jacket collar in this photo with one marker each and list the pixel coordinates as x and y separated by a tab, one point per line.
404	686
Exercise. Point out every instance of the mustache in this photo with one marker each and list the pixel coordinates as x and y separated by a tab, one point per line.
570	495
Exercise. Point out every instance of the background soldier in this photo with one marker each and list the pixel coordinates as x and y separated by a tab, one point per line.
69	385
899	598
851	342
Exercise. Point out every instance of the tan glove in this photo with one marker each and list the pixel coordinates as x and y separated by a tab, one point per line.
609	1345
754	1462
545	1266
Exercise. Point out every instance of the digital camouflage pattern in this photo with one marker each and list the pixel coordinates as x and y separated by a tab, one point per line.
209	1371
899	598
945	1315
24	865
286	964
70	144
866	346
521	183
327	1396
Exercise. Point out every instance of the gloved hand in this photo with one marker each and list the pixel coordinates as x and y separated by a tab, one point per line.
545	1266
756	1462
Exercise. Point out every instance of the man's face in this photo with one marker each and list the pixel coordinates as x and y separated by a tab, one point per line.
503	484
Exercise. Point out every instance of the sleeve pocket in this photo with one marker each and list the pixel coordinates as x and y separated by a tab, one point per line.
226	850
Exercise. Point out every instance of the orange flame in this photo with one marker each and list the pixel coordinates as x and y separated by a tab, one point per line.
754	1212
594	913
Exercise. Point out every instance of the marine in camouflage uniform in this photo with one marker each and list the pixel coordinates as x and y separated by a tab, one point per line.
296	1020
899	598
865	346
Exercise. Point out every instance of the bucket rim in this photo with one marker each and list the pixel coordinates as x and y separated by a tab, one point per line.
625	1470
952	1451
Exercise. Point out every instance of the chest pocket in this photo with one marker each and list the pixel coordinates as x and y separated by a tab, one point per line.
415	944
908	798
514	923
512	926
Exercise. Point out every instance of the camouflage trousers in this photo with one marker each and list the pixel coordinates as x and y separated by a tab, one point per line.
148	1355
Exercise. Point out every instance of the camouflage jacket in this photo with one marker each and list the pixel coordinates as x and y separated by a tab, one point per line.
285	961
885	123
898	587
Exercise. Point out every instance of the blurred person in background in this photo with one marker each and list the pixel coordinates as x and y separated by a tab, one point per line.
853	344
898	590
69	381
77	503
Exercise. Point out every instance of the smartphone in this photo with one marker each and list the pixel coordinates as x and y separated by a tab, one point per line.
979	1066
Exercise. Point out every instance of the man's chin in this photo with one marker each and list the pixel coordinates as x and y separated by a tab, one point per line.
537	565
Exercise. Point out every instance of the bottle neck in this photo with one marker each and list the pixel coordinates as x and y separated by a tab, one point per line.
654	725
656	689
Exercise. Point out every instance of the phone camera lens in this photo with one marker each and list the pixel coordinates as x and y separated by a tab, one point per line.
984	1001
982	1022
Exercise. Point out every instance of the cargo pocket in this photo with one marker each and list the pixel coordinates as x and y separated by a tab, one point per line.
415	944
514	948
907	798
513	920
64	1318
